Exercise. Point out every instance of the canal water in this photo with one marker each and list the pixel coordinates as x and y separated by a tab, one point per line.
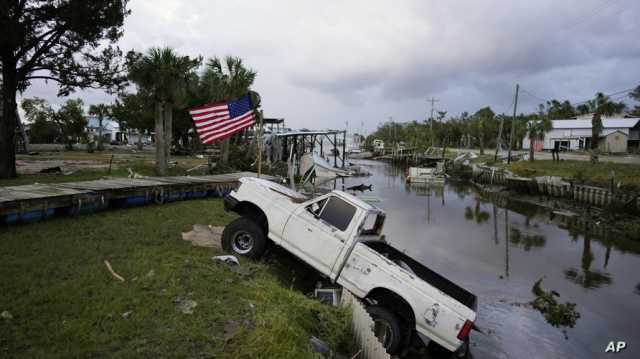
499	254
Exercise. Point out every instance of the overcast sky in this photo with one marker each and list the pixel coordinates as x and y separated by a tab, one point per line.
322	63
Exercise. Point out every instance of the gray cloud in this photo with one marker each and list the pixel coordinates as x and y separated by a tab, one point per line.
321	64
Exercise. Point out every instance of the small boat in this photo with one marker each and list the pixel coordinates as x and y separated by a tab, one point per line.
322	168
425	175
360	155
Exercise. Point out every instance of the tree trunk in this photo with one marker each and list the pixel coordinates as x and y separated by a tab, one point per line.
168	131
531	139
481	144
100	145
161	160
225	151
8	123
140	140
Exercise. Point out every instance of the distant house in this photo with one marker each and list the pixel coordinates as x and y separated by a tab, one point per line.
619	134
378	145
111	131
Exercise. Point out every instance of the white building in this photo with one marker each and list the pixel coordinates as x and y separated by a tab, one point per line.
111	131
575	134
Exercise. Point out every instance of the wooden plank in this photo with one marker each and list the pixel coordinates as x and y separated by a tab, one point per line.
180	180
112	184
42	191
35	191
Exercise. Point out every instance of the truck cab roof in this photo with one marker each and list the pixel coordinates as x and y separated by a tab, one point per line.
299	197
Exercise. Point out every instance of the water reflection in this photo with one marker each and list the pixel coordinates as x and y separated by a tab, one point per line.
526	240
476	214
588	278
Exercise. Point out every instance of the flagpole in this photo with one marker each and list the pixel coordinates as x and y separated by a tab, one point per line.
259	114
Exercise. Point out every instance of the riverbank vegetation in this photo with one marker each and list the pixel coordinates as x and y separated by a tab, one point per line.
59	300
485	129
601	173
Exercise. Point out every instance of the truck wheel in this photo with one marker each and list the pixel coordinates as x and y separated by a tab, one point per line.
387	328
244	237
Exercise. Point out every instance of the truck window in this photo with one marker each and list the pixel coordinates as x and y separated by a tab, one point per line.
338	213
316	207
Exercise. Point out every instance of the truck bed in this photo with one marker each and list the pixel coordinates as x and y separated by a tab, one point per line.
448	287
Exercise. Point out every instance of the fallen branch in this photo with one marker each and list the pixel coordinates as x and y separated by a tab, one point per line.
116	275
357	354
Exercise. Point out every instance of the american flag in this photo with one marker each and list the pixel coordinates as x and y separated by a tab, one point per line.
220	120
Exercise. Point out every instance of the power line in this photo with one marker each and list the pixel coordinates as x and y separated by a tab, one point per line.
607	95
532	95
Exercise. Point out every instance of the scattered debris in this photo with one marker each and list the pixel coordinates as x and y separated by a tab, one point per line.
330	296
185	306
320	347
52	170
151	274
113	273
234	265
361	188
229	260
202	165
133	174
6	315
126	314
204	236
557	314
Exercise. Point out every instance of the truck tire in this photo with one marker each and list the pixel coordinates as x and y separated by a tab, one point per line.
387	328
244	237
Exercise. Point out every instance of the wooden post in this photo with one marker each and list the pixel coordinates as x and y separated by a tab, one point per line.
344	147
335	150
161	163
259	115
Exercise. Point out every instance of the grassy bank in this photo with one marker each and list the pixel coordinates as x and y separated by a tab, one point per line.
581	171
64	303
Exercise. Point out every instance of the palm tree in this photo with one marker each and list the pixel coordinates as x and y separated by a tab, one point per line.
163	74
225	80
537	126
596	130
100	111
482	118
635	94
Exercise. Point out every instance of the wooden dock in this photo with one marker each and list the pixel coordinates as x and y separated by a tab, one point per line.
34	202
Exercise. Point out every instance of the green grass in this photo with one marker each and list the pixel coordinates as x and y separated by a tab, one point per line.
65	304
599	173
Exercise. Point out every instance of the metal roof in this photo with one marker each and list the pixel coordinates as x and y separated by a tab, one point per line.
606	123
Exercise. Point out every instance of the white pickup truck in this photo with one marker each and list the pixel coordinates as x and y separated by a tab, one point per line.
340	236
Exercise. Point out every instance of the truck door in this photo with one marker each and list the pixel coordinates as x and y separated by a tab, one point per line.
317	232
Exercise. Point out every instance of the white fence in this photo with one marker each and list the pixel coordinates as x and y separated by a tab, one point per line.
362	327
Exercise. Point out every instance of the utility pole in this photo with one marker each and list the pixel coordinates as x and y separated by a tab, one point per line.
513	125
499	139
433	136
